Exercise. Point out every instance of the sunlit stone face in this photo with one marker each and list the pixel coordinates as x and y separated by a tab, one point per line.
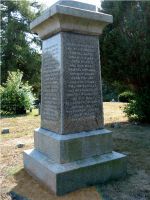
51	97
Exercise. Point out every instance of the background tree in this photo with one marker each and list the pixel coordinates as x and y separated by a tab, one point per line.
20	49
16	96
125	49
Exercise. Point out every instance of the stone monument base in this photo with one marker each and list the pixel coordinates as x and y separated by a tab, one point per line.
67	177
72	147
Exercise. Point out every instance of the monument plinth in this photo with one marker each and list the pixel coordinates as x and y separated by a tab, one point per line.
72	148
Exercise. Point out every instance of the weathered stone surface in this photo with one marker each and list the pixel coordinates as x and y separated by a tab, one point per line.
76	4
77	18
51	84
64	178
71	90
72	147
82	95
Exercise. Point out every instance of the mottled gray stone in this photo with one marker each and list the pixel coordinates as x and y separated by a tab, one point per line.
64	178
71	90
51	113
81	85
71	147
76	4
74	19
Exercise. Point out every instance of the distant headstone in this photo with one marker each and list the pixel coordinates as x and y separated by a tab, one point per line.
116	125
20	145
72	148
113	100
5	131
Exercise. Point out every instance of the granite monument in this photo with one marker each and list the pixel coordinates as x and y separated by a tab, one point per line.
71	148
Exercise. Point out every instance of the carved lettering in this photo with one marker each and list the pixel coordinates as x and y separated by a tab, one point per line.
82	97
51	79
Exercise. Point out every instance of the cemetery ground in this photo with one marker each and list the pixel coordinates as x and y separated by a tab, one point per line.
131	139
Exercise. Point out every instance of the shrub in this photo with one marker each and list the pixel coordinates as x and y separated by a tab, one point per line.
126	97
139	109
16	96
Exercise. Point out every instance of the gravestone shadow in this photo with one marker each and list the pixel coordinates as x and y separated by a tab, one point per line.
28	188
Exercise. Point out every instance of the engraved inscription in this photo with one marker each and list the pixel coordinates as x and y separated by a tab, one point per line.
51	79
82	97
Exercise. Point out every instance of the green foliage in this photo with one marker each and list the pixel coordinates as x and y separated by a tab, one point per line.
126	96
131	111
139	109
16	96
125	50
19	46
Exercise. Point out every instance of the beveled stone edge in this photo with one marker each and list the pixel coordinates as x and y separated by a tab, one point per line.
58	168
60	137
112	166
71	11
77	4
72	148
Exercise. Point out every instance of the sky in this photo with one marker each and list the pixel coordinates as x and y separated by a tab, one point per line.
48	3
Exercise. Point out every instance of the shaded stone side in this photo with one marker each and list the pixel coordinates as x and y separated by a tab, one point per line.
71	90
82	95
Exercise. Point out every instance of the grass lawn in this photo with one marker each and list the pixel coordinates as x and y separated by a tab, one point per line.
129	138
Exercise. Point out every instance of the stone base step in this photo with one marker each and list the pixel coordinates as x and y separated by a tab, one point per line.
64	178
72	147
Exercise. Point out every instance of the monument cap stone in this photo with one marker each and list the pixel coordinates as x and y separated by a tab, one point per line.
77	4
70	16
